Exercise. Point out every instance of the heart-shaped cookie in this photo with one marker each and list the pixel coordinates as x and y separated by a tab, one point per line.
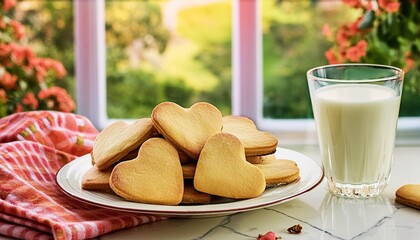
409	194
222	169
261	159
256	142
188	129
93	179
280	171
118	139
192	196
155	176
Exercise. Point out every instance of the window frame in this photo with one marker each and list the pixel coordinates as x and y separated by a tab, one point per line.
247	82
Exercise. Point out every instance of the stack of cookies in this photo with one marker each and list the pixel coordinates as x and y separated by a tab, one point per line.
186	156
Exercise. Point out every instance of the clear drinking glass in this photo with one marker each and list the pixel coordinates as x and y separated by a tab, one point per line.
356	109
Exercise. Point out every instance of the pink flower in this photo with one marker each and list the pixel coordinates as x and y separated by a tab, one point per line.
390	6
326	31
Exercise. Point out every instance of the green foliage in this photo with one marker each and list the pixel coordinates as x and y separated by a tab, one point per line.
196	68
209	23
132	93
217	59
135	92
292	44
129	21
49	28
390	30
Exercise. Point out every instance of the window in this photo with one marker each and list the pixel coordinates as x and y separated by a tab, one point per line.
263	34
155	51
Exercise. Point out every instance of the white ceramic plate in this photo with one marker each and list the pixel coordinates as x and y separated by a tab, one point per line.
69	178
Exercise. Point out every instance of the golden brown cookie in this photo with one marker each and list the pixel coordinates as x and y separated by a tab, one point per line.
192	196
188	170
118	139
223	171
188	129
409	195
279	172
256	142
93	179
131	155
261	159
184	158
154	176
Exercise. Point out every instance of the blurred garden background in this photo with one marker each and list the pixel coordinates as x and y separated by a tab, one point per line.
181	51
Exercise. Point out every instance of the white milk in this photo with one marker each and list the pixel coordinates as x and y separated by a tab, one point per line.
356	126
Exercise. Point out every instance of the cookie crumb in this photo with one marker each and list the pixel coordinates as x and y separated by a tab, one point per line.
295	229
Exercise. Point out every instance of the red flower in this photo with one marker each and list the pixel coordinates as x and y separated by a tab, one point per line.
2	24
3	96
7	4
63	102
353	3
353	28
23	83
409	62
30	100
18	54
8	80
356	52
29	54
332	57
19	108
42	65
18	29
40	74
4	50
342	38
370	5
58	68
390	6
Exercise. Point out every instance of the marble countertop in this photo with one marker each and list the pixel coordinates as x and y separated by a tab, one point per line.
322	215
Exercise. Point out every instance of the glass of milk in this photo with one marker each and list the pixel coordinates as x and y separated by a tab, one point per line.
356	109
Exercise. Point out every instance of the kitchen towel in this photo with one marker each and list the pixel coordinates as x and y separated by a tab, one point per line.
33	147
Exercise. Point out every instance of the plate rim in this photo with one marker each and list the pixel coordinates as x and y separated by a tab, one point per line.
316	181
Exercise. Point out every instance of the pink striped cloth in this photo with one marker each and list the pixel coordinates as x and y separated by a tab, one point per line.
33	147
